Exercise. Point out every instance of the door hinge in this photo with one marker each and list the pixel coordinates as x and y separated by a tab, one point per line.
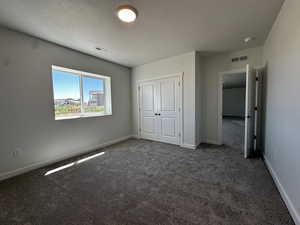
254	137
179	83
140	129
256	79
255	108
179	134
139	88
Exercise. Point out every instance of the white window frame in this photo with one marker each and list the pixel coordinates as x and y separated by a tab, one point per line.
106	87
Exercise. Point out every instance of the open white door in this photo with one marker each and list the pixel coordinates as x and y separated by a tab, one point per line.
249	112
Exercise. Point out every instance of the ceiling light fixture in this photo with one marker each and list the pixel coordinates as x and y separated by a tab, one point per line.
127	13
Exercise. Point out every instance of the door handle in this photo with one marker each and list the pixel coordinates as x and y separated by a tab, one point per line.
157	114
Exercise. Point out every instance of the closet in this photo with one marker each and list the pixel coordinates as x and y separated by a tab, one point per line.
160	109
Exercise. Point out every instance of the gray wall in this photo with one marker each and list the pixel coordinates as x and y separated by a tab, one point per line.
234	102
27	117
183	63
213	65
282	123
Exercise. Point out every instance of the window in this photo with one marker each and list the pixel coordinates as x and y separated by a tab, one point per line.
80	94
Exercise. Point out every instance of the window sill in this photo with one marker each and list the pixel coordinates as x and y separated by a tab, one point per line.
84	116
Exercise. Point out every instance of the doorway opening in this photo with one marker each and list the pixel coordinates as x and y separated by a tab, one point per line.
249	81
233	110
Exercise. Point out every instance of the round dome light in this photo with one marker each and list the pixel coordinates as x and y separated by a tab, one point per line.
127	13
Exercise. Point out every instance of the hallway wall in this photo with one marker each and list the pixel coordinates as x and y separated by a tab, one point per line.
234	102
282	113
213	65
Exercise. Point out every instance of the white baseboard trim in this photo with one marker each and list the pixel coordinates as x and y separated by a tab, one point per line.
189	146
136	136
38	165
199	142
295	215
214	142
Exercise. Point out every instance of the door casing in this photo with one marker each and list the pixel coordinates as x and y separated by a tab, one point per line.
256	114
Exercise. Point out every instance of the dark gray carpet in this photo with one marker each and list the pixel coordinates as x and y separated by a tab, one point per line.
142	182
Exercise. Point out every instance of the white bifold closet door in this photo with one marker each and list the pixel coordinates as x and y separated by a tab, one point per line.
159	110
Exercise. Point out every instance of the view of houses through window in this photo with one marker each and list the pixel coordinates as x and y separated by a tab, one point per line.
80	94
93	94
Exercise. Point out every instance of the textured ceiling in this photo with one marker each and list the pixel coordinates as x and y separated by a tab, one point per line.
164	27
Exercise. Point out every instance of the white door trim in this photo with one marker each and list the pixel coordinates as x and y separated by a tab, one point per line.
180	75
220	101
176	75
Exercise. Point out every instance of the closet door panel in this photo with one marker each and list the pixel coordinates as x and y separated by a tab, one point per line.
148	126
159	110
168	103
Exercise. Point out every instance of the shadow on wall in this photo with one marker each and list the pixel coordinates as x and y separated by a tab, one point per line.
264	106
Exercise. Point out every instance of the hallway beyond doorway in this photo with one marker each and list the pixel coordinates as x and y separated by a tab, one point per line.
233	132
